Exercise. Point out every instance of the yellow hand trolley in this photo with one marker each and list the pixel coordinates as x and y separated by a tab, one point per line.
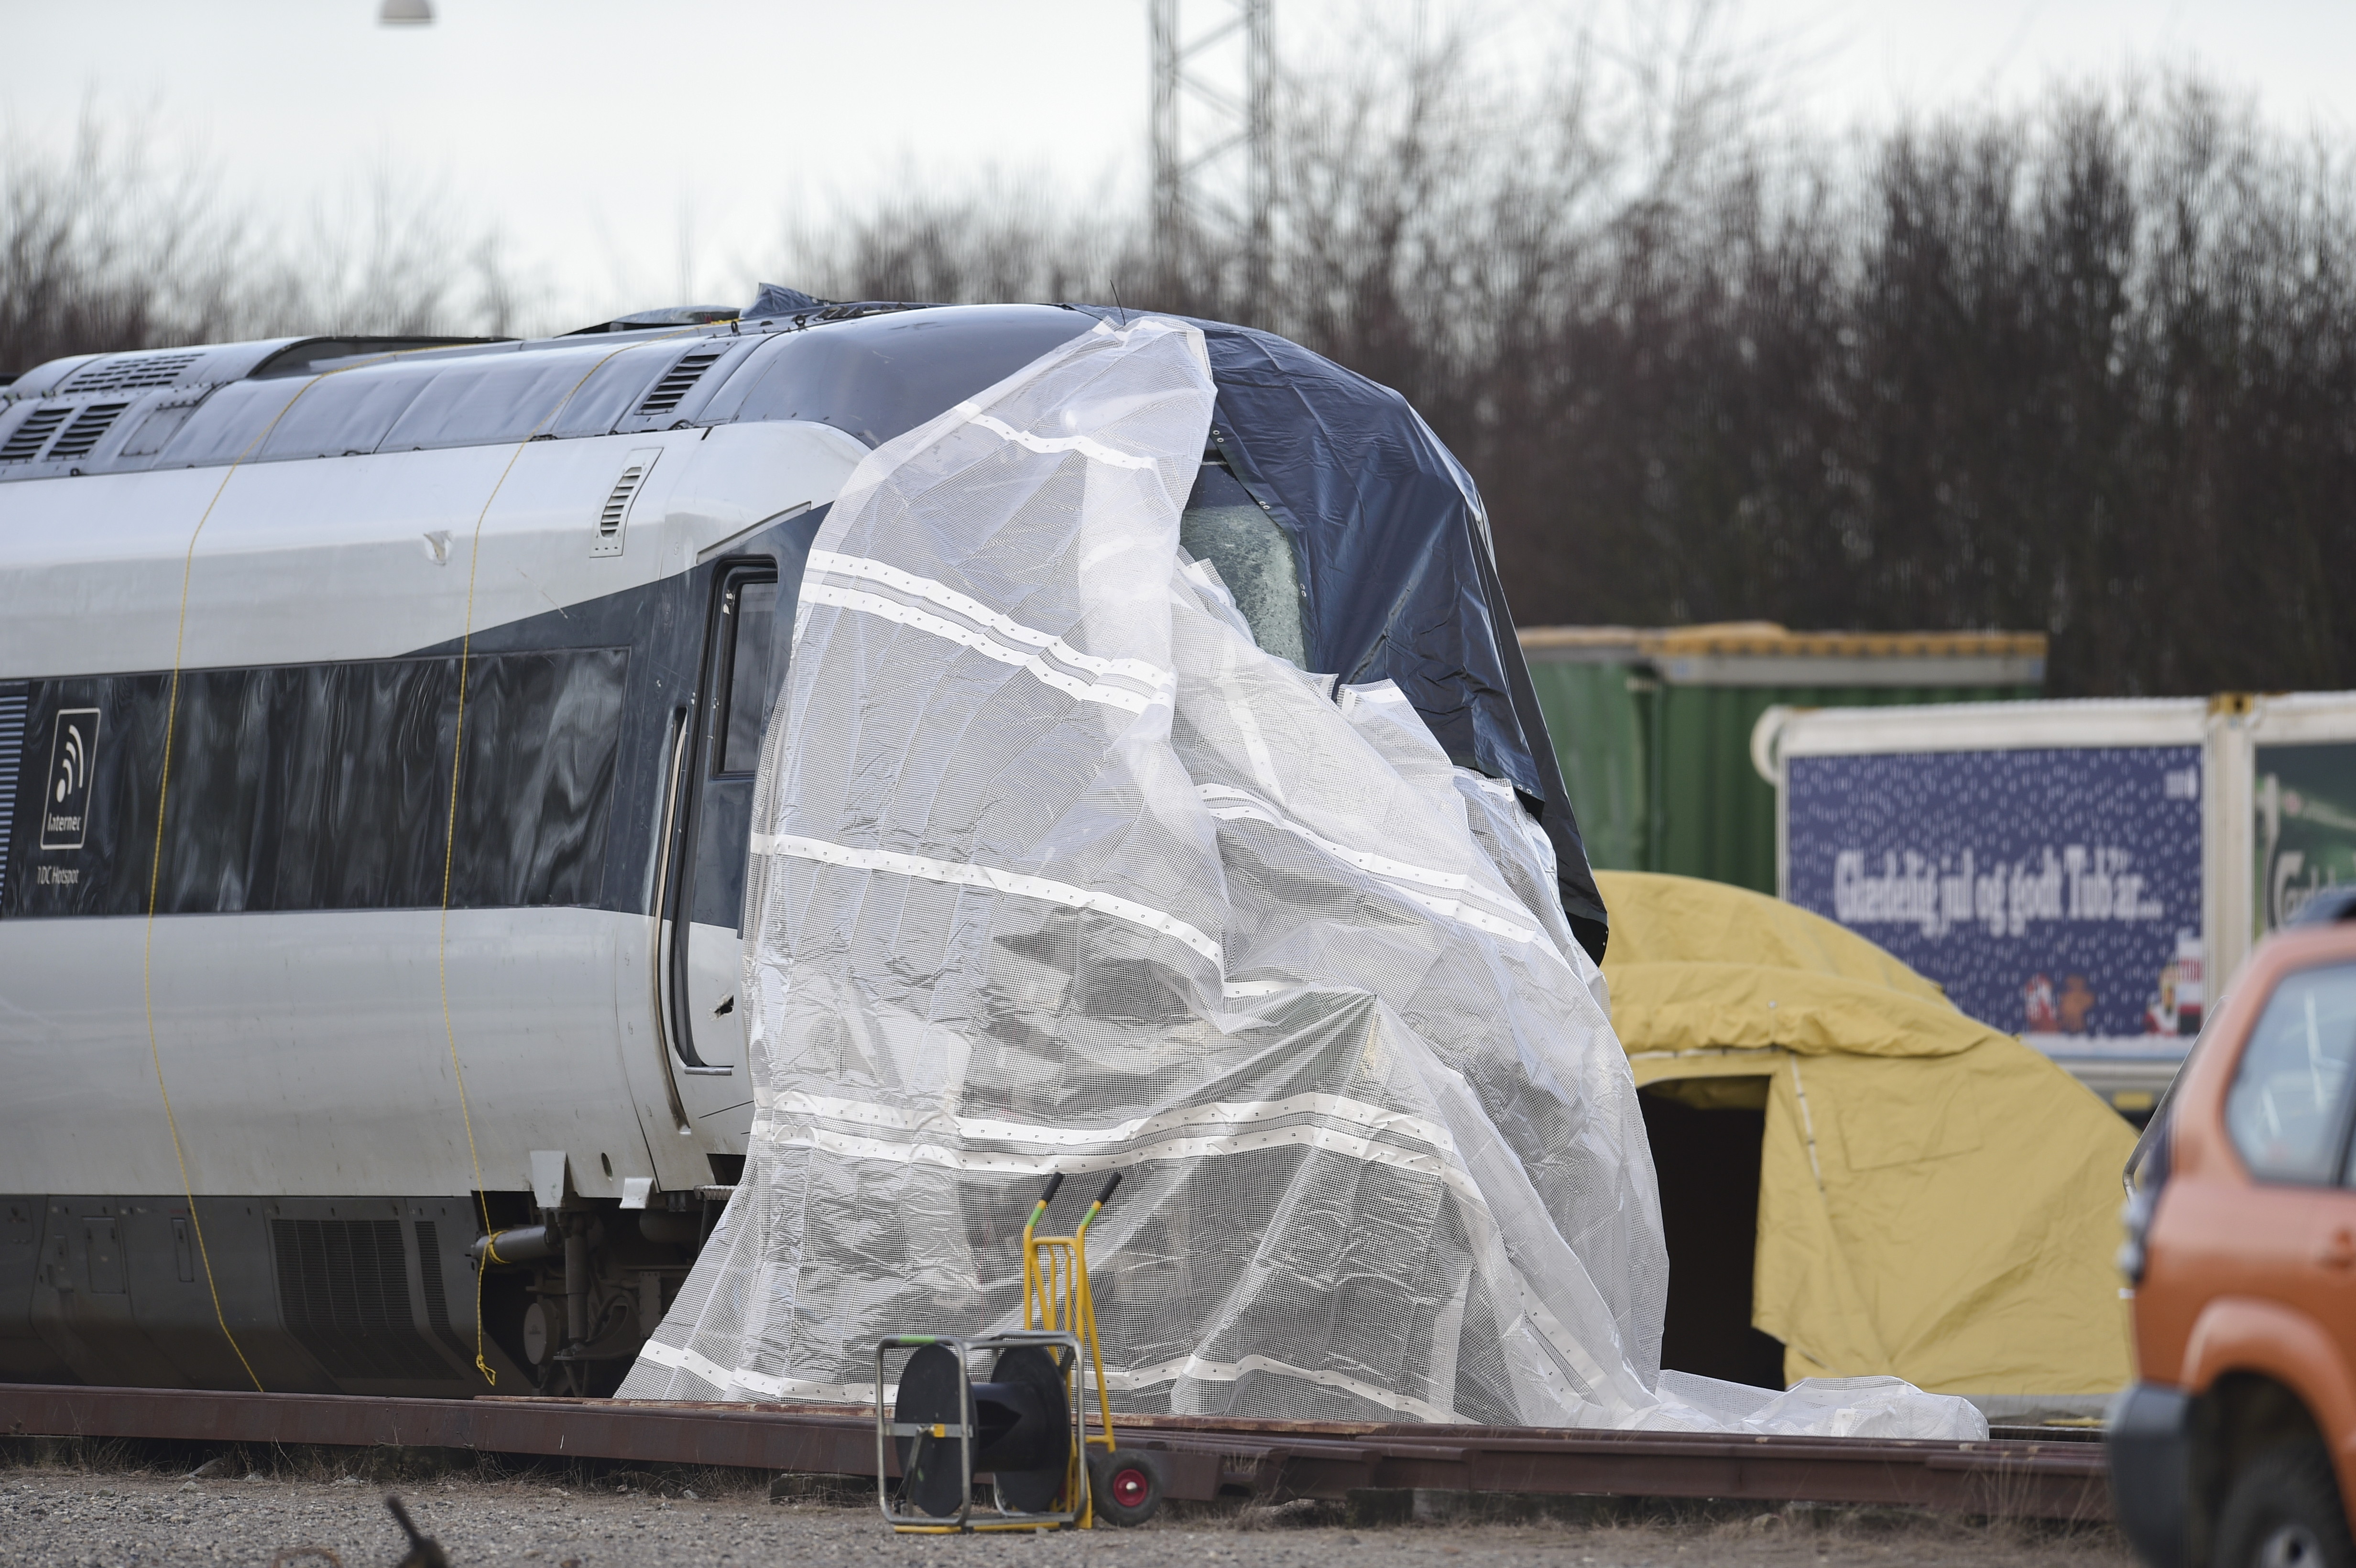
1026	1424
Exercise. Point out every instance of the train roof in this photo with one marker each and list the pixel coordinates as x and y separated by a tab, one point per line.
872	370
1397	575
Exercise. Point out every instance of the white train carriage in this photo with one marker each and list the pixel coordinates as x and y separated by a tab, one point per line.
378	723
277	558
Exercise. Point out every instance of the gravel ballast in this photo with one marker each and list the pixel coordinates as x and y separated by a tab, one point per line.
69	1516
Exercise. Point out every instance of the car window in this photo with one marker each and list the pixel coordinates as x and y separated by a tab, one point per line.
2285	1109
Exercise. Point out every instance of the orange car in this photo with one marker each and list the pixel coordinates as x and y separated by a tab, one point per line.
2238	1447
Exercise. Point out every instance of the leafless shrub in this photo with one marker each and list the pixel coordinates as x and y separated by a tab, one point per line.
1006	239
104	248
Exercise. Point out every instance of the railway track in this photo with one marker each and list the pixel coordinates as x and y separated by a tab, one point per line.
1204	1458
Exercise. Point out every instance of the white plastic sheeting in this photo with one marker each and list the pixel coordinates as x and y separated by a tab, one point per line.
1055	869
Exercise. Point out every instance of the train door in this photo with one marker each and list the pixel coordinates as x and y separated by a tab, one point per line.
716	749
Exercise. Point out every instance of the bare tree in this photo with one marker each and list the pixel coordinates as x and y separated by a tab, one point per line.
2090	369
101	248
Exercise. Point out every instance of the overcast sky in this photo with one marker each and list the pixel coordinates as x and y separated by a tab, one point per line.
639	153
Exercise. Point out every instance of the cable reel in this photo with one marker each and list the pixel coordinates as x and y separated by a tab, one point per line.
1026	1425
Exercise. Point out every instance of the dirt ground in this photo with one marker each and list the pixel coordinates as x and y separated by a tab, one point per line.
121	1509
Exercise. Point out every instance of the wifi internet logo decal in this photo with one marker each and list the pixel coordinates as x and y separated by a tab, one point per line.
65	800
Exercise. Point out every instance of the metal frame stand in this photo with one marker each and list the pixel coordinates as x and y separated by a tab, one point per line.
1059	1312
886	1428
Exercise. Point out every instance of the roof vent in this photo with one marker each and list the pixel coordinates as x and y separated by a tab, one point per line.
615	515
674	386
129	373
28	438
83	434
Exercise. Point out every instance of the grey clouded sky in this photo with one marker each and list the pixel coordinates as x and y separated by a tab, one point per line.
638	151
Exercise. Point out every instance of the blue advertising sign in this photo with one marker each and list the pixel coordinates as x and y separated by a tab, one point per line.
2053	892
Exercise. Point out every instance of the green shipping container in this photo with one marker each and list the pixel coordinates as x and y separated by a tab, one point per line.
1653	728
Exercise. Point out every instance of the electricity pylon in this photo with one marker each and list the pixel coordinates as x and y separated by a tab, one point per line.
1214	107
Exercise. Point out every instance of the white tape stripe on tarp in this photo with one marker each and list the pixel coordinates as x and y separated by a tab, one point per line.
1053	445
989	876
1202	1371
1216	1112
680	1358
1480	920
1238	706
1231	801
760	1383
1227	804
966	636
1566	1348
1327	1140
972	609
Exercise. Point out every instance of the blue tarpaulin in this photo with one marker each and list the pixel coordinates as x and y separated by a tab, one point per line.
1396	557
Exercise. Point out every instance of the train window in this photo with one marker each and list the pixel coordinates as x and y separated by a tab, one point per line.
749	624
1223	525
327	786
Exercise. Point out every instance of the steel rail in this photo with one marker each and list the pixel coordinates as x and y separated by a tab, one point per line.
1203	1458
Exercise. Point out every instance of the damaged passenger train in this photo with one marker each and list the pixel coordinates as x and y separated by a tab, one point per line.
379	723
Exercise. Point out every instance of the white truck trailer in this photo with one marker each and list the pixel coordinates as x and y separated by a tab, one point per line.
2087	874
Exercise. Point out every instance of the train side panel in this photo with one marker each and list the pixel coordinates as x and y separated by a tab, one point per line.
298	962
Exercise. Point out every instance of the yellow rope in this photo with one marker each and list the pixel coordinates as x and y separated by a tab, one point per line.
147	954
450	836
156	864
155	869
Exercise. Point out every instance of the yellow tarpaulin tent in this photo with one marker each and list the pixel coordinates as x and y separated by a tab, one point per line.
1937	1199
